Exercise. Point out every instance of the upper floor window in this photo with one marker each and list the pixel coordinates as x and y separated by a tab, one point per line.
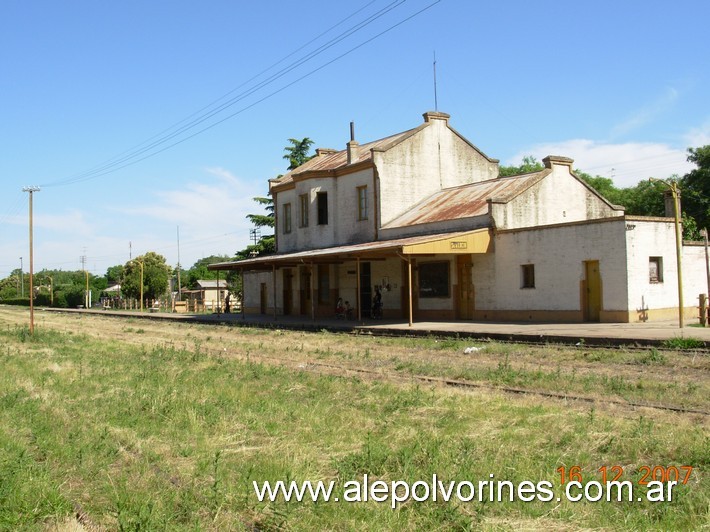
303	204
287	217
362	203
322	208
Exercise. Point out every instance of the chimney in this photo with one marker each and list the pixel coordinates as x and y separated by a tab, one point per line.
559	160
668	204
436	115
353	154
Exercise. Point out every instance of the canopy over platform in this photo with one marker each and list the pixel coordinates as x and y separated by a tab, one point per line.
463	242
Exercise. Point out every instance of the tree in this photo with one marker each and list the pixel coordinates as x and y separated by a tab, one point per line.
155	276
263	220
114	274
297	153
529	165
199	270
695	186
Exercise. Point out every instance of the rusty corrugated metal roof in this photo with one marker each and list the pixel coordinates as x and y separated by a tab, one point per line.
333	161
465	201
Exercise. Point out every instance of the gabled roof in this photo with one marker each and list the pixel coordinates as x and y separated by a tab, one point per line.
212	283
331	161
467	201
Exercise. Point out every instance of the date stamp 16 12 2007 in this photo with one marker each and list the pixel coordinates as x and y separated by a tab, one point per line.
658	473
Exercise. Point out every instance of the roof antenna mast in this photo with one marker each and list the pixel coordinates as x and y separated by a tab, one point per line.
436	101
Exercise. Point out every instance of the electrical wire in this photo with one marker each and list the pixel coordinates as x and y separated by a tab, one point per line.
120	156
152	148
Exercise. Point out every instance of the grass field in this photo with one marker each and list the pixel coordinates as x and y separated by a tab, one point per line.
135	425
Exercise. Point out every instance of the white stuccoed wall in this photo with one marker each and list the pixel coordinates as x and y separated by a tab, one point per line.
432	159
657	239
694	273
644	240
558	198
558	254
344	214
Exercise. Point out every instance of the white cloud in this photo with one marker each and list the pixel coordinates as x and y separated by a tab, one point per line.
646	114
698	136
211	214
628	162
204	207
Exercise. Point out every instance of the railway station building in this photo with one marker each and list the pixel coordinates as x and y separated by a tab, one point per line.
424	218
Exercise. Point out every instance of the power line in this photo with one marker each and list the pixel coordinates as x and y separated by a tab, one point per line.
153	148
140	148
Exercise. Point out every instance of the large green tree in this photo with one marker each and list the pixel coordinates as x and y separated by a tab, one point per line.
114	274
155	276
529	164
199	271
297	152
695	186
646	197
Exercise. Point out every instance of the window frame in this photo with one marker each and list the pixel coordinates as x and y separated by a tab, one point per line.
322	202
422	268
527	276
362	203
303	214
658	261
287	218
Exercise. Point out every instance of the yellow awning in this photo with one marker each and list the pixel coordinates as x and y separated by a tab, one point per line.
474	242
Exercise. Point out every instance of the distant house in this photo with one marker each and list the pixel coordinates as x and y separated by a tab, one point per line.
424	218
209	294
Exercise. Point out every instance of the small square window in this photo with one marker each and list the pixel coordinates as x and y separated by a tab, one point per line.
527	272
655	269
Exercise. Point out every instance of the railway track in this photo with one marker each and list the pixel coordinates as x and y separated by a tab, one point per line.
453	383
399	376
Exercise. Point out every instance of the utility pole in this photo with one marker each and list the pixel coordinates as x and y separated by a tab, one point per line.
436	99
32	307
178	244
704	233
675	196
83	268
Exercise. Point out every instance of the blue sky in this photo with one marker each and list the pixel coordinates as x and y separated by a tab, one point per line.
621	87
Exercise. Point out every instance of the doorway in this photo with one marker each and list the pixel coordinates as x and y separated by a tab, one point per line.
365	289
593	293
288	291
465	289
305	291
262	298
